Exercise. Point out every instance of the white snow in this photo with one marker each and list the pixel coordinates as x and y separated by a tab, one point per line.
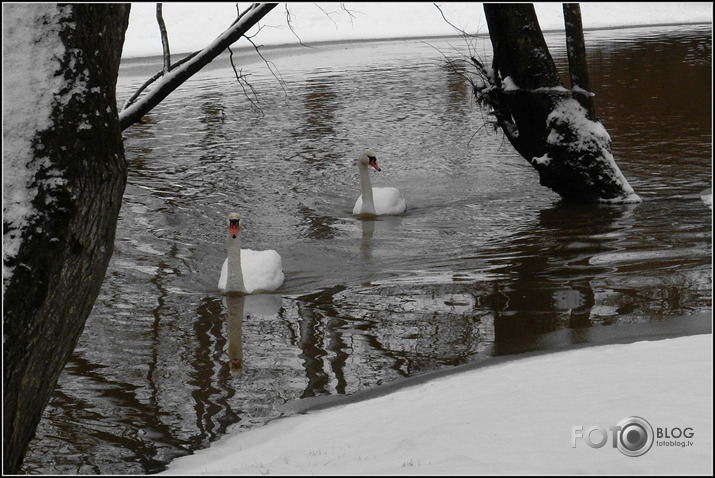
592	137
191	26
544	160
569	112
511	418
30	60
516	417
578	89
509	85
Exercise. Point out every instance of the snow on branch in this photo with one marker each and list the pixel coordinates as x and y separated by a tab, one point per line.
179	74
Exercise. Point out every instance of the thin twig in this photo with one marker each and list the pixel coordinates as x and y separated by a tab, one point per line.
450	23
156	76
290	25
327	14
483	91
243	82
350	15
268	63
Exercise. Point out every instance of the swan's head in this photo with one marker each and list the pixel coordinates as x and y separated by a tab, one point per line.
368	159
234	224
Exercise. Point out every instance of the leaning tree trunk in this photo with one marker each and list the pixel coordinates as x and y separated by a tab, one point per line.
64	176
544	121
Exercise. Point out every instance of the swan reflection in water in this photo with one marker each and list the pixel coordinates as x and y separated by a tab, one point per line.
246	271
377	227
240	306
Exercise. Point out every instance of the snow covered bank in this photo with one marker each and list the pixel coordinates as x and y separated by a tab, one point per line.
192	26
516	417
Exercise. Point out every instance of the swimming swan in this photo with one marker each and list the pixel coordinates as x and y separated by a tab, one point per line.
376	201
245	270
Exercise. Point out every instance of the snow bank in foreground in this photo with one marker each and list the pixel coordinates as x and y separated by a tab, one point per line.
516	417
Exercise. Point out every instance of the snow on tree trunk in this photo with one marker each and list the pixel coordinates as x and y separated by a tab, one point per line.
578	163
63	179
564	142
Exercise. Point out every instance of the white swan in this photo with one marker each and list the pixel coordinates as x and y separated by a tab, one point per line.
245	270
376	201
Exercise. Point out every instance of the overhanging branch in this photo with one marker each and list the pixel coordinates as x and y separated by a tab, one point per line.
178	75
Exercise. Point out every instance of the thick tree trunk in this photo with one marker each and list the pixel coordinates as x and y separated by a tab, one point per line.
568	147
516	36
77	173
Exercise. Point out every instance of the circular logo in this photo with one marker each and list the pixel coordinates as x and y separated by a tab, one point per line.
635	436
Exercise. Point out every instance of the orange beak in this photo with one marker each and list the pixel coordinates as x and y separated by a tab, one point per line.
233	227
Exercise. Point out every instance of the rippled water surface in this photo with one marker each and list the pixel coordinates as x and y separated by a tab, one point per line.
485	262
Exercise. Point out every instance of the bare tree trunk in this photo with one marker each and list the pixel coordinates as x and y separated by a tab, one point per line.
164	39
52	278
576	50
523	110
178	75
569	148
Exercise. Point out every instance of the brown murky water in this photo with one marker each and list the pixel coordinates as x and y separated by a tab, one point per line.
484	263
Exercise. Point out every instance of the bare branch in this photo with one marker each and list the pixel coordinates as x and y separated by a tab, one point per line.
327	14
243	83
450	23
154	78
241	79
485	84
178	76
142	88
290	25
164	38
350	15
268	63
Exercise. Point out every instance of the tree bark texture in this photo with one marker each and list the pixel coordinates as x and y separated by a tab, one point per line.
67	244
164	38
516	36
576	50
566	145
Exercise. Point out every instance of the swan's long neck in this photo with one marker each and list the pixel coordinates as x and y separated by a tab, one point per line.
234	274
368	203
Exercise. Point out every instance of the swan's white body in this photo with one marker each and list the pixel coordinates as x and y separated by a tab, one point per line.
248	271
376	201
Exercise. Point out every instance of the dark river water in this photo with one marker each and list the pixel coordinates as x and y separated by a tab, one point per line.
484	263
